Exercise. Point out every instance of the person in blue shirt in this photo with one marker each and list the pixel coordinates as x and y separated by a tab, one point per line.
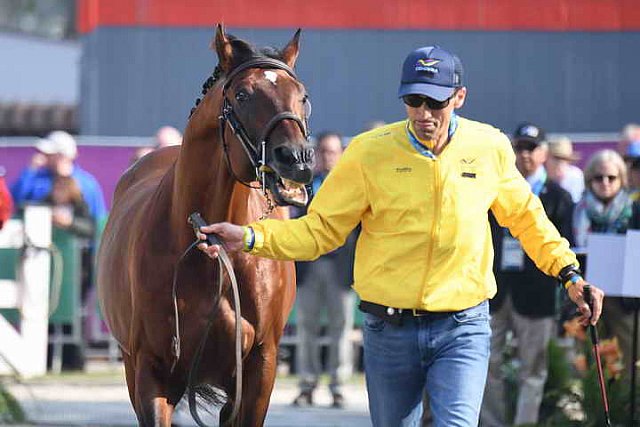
56	157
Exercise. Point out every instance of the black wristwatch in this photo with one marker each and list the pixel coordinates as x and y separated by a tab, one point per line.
569	275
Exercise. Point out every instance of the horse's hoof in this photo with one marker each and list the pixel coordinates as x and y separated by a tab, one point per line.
305	398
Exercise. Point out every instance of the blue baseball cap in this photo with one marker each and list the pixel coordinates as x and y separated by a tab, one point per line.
431	71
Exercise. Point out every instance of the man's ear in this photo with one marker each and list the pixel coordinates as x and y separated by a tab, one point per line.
459	97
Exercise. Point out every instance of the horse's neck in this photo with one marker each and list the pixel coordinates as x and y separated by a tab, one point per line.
247	205
202	182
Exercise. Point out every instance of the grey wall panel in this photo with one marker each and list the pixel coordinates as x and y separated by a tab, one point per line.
137	79
35	70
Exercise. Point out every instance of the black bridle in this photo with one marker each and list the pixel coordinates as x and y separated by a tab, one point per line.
256	150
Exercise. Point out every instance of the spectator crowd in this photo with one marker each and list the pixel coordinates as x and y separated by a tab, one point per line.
603	197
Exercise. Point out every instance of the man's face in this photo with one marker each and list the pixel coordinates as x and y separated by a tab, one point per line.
529	156
59	164
53	160
432	124
329	151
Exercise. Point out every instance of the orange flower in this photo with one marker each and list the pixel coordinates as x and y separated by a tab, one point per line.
610	350
573	328
580	363
615	369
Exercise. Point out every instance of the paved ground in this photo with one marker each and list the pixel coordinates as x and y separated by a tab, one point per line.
100	399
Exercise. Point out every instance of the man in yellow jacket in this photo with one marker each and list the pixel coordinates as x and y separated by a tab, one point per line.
421	188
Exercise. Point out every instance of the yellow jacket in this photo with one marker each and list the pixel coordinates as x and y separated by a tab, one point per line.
425	241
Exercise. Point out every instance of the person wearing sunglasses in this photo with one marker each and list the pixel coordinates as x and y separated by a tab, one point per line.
526	300
607	207
421	188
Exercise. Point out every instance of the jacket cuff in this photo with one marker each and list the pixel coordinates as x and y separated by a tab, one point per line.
258	238
568	259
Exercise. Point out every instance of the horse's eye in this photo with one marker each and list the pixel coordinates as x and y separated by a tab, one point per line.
307	106
242	96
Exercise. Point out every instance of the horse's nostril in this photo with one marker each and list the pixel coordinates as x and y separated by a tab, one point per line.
285	155
288	156
308	156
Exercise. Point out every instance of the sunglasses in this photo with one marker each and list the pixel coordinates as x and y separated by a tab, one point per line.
525	146
415	101
609	178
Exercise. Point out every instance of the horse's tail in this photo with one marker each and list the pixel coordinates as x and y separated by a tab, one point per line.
207	398
210	395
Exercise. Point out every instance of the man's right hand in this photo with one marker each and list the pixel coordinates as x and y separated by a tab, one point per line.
231	236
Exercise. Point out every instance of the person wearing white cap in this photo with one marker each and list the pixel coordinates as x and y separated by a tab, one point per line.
56	157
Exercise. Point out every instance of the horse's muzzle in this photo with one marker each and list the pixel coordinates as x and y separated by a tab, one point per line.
295	164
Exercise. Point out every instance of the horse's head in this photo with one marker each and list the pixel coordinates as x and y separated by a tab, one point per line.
267	108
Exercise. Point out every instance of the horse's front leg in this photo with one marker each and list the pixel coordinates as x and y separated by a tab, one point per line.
259	372
152	400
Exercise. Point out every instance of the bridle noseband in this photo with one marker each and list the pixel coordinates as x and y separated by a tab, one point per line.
257	156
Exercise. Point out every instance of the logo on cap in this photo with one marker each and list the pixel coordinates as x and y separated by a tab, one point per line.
530	131
427	65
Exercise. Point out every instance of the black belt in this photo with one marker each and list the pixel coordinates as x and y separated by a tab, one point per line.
395	315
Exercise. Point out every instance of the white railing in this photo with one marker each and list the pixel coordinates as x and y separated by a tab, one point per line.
24	351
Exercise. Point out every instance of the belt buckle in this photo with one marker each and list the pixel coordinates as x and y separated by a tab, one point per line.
415	312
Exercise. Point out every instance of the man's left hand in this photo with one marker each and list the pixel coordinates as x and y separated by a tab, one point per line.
576	294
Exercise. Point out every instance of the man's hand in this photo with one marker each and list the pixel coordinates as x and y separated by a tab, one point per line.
231	236
576	294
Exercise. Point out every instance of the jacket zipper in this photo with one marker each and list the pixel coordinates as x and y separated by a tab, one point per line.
436	218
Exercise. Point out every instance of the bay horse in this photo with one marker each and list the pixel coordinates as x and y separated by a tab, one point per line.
251	125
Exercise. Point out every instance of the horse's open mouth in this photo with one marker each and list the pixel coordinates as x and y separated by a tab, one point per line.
287	192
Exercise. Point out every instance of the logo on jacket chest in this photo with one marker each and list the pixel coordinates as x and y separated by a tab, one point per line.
404	169
468	168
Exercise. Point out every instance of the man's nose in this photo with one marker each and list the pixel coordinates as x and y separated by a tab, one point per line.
424	111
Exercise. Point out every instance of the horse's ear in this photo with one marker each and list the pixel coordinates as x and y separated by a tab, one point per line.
223	48
290	51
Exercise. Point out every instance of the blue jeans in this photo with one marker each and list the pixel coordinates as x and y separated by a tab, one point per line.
447	353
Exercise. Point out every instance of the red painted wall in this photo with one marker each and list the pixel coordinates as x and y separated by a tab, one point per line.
489	15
